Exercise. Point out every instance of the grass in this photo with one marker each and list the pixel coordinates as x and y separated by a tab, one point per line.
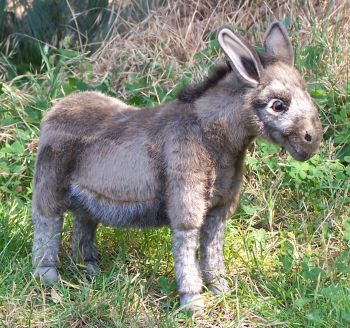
287	247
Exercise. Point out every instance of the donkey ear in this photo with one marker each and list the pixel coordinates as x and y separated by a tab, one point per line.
243	59
276	43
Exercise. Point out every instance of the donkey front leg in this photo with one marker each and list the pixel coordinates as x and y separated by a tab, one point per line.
46	244
186	209
211	252
187	273
84	242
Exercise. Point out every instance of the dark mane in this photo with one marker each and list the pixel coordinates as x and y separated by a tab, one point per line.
190	93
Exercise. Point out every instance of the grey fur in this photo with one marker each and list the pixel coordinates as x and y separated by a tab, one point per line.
84	238
276	41
46	243
178	164
84	241
211	246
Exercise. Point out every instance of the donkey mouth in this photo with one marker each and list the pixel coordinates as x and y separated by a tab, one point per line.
291	144
296	152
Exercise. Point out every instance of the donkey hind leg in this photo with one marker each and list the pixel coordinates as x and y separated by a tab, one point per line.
84	242
211	254
188	277
46	244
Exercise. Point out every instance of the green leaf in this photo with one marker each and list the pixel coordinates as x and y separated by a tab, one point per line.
68	53
346	235
301	302
259	235
315	316
16	148
347	87
346	316
78	84
287	262
331	292
251	209
313	273
165	285
317	92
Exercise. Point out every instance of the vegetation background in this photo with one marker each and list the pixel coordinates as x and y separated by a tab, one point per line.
286	249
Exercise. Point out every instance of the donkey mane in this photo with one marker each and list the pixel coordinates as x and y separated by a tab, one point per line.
189	93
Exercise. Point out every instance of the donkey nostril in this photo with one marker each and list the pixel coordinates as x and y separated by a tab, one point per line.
308	137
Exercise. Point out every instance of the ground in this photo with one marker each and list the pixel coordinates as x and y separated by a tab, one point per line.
287	247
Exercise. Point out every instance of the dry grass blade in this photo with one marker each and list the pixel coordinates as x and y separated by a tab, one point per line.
175	32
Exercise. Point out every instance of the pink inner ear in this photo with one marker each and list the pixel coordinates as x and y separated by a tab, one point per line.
277	38
236	50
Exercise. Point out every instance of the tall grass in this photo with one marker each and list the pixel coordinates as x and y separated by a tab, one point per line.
287	247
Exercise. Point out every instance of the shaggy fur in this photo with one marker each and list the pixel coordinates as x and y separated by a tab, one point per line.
190	93
178	164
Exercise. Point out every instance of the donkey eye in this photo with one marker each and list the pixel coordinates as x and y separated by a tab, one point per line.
277	106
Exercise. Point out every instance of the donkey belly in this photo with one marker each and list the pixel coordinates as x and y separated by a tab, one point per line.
118	184
114	213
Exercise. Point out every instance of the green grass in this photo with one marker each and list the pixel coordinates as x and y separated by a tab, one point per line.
286	249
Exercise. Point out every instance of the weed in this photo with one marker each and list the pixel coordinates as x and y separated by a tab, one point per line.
287	248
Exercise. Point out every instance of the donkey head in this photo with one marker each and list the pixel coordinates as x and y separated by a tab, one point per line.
280	109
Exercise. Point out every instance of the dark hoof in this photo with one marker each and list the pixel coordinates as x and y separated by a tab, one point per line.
47	275
191	302
92	270
219	287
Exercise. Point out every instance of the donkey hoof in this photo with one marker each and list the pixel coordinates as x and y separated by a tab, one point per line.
219	287
47	275
191	302
92	270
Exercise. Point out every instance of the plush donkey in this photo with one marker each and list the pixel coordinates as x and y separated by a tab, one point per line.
177	164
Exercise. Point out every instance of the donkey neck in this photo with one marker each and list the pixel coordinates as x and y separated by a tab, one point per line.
223	116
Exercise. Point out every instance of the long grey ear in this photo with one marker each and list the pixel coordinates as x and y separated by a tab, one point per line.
243	59
276	43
